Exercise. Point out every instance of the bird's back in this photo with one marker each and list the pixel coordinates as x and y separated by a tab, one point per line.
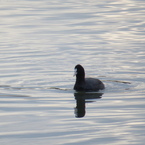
92	84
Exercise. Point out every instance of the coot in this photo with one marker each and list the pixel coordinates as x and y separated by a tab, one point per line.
86	84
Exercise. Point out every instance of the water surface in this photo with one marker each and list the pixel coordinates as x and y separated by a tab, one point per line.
40	44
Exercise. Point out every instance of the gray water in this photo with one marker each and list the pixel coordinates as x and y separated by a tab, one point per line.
40	44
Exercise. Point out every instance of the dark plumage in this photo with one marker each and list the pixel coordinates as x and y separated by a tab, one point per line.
86	84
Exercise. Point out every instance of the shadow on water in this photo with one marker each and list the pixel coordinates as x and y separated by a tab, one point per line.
81	99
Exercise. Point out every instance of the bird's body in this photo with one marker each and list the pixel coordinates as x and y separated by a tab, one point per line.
86	84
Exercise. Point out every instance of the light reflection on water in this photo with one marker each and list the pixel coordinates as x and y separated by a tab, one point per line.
40	44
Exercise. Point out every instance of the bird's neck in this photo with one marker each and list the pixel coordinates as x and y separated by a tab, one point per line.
80	79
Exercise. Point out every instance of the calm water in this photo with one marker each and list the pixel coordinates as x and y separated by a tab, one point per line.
41	42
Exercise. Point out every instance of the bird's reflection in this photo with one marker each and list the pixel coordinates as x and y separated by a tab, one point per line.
80	109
